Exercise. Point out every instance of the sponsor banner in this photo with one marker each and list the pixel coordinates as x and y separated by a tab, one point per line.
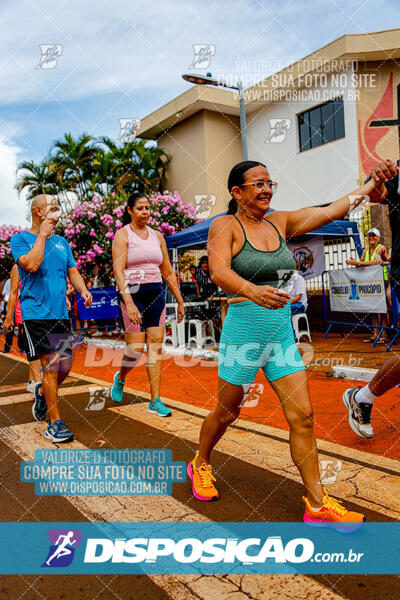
309	257
104	305
104	472
358	290
205	548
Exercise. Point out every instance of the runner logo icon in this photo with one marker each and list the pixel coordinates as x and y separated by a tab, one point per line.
278	130
62	547
50	55
330	471
97	397
203	54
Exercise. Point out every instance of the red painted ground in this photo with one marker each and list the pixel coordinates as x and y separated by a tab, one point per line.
195	382
197	385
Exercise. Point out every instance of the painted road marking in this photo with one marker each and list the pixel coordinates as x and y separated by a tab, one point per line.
365	486
68	391
26	438
337	451
4	389
358	466
13	388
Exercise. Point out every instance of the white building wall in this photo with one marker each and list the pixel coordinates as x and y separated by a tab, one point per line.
315	176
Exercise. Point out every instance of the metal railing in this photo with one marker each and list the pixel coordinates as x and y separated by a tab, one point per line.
336	252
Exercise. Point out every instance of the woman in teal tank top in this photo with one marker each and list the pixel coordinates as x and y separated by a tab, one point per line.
249	259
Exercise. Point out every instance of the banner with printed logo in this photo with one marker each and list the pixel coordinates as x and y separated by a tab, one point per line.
104	305
203	548
309	257
357	290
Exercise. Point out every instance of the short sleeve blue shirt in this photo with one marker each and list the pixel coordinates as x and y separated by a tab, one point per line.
43	293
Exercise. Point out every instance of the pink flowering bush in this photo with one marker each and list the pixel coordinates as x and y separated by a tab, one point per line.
169	214
6	259
90	227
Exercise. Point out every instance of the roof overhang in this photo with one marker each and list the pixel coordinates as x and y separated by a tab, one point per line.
365	47
195	99
377	46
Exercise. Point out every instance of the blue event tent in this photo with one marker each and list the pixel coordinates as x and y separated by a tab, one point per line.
196	236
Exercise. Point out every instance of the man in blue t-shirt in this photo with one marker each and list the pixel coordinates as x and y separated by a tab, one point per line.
45	260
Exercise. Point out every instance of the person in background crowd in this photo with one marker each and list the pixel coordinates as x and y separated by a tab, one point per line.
192	273
14	316
6	290
360	400
206	286
6	296
192	279
374	254
298	295
3	305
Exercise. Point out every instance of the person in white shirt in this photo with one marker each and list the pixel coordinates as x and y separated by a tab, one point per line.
6	290
6	297
298	295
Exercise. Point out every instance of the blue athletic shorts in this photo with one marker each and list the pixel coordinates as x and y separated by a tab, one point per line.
255	337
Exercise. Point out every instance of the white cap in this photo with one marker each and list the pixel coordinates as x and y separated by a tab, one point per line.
375	231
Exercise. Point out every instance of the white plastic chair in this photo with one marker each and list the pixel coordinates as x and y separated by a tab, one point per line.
296	319
204	332
172	336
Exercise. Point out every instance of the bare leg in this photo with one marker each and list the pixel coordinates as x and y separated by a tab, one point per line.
50	384
154	338
64	367
133	352
387	377
375	322
293	393
216	422
35	371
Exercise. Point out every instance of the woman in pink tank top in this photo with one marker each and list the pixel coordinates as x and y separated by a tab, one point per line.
141	262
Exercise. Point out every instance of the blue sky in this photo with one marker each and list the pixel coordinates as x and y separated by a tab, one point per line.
123	59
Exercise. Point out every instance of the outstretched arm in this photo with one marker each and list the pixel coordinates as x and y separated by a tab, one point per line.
299	222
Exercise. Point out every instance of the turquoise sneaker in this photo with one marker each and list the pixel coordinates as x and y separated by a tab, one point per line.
117	389
158	408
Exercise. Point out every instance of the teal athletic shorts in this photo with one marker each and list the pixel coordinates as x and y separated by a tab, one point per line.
253	337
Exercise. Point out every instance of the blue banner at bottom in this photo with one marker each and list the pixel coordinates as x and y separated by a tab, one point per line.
205	548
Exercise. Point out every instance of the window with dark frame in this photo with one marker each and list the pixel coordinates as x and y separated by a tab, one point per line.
322	124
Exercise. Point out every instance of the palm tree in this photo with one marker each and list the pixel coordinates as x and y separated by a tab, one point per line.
104	167
36	178
153	162
137	166
79	167
73	162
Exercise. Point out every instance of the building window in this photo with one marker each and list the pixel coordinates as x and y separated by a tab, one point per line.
321	124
